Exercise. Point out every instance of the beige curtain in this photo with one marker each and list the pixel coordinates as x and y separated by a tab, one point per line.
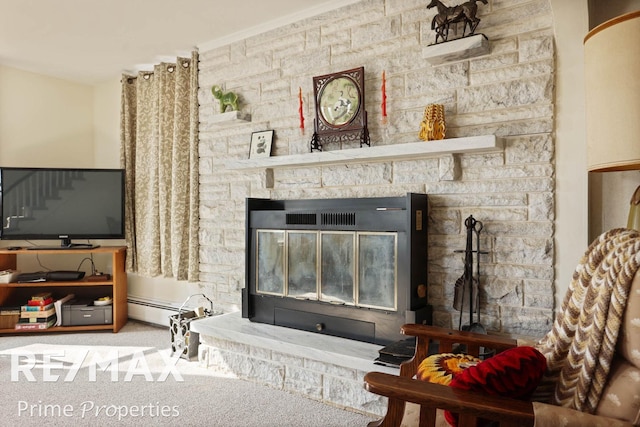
159	150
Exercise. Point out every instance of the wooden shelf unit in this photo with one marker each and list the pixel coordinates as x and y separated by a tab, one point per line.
117	286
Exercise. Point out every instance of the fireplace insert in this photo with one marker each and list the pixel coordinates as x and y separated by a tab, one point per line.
354	268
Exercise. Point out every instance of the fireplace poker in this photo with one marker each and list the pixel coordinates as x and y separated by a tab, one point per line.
468	280
478	228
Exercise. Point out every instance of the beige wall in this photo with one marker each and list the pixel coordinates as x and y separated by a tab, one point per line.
44	121
49	122
570	27
106	124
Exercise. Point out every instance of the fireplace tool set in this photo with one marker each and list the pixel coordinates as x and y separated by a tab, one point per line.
467	285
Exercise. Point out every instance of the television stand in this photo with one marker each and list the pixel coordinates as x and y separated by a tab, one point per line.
90	288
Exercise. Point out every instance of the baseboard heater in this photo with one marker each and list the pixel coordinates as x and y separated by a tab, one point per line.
151	311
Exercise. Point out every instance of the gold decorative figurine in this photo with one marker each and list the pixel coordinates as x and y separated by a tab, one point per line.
432	126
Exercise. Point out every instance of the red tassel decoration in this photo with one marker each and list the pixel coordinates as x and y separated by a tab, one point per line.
383	104
300	110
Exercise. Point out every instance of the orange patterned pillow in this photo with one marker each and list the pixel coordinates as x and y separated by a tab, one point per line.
441	368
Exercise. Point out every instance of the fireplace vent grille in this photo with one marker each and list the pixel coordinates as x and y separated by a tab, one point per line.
301	218
341	218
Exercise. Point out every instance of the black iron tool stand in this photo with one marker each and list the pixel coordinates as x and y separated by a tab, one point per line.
468	283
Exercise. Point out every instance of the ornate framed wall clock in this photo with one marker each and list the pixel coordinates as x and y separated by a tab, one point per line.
340	114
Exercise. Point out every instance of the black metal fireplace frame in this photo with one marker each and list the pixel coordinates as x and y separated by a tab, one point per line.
405	215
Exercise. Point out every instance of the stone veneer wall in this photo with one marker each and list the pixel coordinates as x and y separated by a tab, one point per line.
509	93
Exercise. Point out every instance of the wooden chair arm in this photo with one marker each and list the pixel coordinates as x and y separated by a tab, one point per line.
447	339
468	404
449	335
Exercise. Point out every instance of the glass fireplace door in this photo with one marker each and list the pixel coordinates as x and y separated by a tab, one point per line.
377	265
302	264
337	272
338	267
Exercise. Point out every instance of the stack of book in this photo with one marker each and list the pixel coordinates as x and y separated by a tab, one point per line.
38	313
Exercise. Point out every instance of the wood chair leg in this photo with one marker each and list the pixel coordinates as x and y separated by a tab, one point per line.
394	415
427	416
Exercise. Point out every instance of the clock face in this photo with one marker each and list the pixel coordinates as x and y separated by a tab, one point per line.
340	114
339	101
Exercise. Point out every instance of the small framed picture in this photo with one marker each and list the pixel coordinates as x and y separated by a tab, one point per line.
261	144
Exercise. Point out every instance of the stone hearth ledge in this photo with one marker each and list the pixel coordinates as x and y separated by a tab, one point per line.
320	367
338	351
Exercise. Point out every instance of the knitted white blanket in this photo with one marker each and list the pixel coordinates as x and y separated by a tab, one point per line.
582	342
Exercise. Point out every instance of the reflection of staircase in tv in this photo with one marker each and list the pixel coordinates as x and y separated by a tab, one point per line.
37	193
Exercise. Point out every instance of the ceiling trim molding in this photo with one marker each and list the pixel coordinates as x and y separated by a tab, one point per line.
276	23
148	67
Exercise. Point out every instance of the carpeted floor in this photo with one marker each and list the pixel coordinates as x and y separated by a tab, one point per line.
129	378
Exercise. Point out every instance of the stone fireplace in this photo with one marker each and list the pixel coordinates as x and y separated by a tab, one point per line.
505	97
506	94
354	268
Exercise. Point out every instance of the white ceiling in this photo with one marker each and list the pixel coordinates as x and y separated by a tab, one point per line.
91	41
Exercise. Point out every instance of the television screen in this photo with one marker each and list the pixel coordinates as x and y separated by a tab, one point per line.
65	204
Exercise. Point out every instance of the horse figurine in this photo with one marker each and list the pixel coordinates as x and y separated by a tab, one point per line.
446	16
228	99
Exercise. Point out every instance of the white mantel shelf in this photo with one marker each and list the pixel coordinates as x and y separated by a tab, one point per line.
412	150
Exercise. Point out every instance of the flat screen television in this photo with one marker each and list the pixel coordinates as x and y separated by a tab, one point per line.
64	204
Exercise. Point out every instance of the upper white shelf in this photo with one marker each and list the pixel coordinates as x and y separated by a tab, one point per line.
412	150
230	118
456	50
